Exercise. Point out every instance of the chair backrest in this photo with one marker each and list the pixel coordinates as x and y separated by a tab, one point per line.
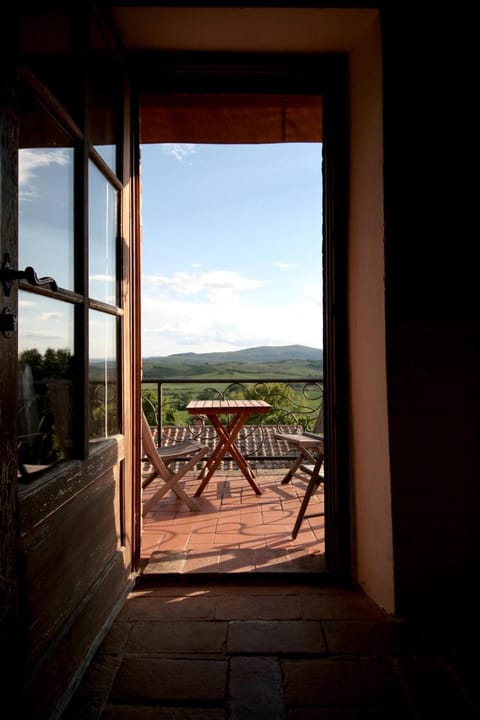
318	427
150	449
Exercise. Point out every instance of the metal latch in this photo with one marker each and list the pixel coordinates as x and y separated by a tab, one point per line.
8	275
8	322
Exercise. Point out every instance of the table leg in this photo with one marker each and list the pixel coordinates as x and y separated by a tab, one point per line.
229	437
226	443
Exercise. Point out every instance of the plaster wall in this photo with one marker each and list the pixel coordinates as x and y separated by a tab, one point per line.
371	498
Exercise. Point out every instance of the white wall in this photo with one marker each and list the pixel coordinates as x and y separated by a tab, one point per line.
371	499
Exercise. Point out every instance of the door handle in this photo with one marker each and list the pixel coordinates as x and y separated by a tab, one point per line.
8	275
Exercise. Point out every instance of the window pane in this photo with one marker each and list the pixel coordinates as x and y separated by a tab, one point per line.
102	238
45	194
104	98
103	375
45	338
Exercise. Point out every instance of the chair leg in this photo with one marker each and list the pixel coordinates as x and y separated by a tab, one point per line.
312	486
293	469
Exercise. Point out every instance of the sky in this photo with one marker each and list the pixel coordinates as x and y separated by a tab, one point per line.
231	247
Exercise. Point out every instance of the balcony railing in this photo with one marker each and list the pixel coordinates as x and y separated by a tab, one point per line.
296	405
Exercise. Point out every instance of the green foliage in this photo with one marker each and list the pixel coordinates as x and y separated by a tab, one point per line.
281	397
52	364
169	416
150	408
208	394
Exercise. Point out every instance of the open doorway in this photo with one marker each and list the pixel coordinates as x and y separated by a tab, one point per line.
232	292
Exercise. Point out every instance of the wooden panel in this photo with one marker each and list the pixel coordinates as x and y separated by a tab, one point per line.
47	689
69	537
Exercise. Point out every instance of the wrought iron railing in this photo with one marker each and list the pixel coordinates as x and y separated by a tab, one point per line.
296	406
45	420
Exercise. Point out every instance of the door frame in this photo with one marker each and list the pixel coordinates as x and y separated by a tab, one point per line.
325	75
9	590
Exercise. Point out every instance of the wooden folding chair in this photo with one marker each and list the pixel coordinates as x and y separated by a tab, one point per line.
160	459
309	445
315	479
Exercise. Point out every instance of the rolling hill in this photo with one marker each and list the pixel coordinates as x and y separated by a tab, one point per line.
262	354
263	361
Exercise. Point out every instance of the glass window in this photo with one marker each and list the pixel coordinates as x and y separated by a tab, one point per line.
45	418
46	228
103	375
102	238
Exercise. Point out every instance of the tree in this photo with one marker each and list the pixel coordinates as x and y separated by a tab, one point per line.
280	397
150	408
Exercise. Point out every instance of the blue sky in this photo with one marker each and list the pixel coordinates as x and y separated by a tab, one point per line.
231	247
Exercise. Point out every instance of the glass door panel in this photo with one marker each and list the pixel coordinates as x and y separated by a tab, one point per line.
103	284
46	190
103	375
45	372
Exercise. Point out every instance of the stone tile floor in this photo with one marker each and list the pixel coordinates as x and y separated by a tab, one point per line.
235	529
246	649
232	620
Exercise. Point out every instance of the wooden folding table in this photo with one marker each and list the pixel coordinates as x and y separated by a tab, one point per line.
239	411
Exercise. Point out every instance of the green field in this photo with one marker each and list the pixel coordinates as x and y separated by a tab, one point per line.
217	375
165	368
292	402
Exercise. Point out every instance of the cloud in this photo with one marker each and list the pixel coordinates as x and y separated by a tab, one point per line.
170	326
30	160
52	316
180	151
215	311
219	286
41	338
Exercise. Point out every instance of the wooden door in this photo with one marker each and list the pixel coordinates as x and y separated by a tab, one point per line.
67	368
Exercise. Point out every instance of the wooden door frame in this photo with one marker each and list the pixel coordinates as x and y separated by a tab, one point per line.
325	75
9	636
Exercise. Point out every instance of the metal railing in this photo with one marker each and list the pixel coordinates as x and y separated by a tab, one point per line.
296	405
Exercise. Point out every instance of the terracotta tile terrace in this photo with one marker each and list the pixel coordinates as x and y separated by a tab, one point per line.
235	531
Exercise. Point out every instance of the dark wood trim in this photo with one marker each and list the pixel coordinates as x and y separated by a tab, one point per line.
135	321
80	388
52	104
230	72
9	583
109	32
105	169
238	3
59	294
335	218
104	307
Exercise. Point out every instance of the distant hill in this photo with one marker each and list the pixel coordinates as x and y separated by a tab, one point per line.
263	353
265	361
